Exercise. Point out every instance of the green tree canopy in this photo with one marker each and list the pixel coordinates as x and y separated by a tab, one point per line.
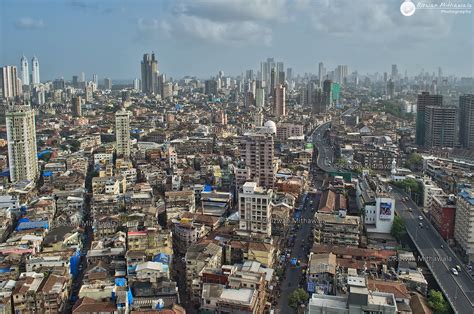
438	303
415	162
297	297
398	228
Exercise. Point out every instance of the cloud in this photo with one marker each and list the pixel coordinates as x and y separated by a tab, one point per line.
234	23
28	23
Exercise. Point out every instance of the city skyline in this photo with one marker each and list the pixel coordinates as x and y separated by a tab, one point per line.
184	34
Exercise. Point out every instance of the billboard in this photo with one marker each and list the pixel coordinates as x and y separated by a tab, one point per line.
385	211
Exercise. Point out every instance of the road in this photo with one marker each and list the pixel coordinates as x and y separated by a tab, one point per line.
325	152
300	250
459	290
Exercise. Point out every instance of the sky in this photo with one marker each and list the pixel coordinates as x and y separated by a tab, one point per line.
201	37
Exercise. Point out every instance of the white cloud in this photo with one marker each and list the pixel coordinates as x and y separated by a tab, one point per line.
29	23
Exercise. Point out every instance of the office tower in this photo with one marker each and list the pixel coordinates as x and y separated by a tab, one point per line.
255	209
122	133
21	135
160	84
466	121
35	71
341	73
95	79
464	223
280	70
440	74
394	72
321	73
390	88
59	84
82	77
424	100
289	74
210	87
136	84
9	82
249	75
25	72
108	83
260	97
75	81
440	126
310	93
76	106
385	77
149	74
257	154
279	102
264	72
327	100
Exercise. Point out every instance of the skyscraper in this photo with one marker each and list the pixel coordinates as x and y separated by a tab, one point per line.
25	72
466	121
9	82
289	74
255	209
149	74
327	99
136	84
82	77
122	133
394	72
424	100
279	102
260	97
440	126
341	73
76	106
21	135
35	71
95	79
257	154
321	73
107	83
210	87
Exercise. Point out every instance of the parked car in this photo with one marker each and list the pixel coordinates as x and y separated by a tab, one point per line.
420	217
454	271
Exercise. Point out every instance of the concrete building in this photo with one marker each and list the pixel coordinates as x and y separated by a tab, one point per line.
321	273
21	135
210	87
149	74
24	71
337	229
257	153
76	106
287	130
442	213
107	83
440	127
255	209
466	121
122	133
35	71
464	224
260	97
279	101
424	100
10	85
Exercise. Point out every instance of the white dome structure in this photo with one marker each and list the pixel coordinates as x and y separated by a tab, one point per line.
271	125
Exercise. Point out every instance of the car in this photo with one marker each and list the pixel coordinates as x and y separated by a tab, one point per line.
454	271
420	217
410	209
458	268
421	225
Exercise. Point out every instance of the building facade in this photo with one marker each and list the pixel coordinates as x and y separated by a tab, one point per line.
122	133
255	209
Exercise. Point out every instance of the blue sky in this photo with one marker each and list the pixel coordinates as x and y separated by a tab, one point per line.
201	37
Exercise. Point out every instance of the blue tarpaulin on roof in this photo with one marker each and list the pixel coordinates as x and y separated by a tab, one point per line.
130	296
32	225
120	282
47	173
74	263
24	219
162	258
43	153
5	270
5	173
208	188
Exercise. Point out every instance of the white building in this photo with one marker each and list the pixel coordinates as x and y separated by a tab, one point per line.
24	71
464	223
35	71
21	136
9	83
430	189
122	133
255	208
379	217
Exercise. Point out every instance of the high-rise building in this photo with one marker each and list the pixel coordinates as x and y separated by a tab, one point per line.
9	82
394	72
260	97
424	100
327	97
466	121
35	71
440	126
289	74
255	209
210	87
108	83
122	133
82	77
95	79
280	73
75	81
21	135
257	153
341	73
76	106
149	74
279	101
464	223
25	72
136	84
321	74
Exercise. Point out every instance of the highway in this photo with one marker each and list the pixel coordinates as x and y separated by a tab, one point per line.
459	290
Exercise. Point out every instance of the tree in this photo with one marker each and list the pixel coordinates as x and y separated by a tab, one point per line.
415	162
297	297
398	228
438	303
